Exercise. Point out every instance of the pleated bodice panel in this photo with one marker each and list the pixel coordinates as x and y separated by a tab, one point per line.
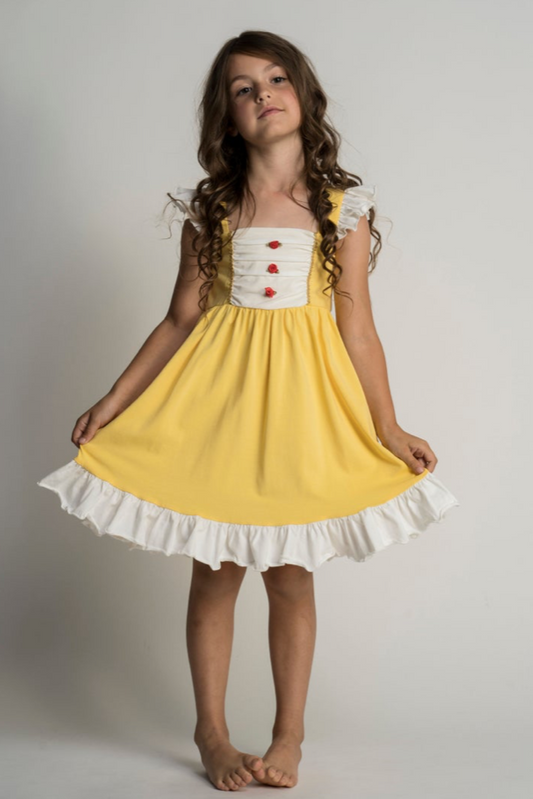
270	268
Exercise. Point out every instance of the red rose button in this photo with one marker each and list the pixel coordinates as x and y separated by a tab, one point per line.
273	268
274	244
270	292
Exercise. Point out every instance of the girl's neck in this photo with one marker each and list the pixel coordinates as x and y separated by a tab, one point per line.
274	210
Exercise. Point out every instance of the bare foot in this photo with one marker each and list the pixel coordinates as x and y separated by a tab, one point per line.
227	768
280	763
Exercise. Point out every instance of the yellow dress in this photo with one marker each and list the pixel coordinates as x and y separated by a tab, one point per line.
255	443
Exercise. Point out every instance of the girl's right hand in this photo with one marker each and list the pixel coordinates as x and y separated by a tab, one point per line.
103	412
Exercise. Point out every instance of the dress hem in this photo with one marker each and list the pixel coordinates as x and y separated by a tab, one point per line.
107	510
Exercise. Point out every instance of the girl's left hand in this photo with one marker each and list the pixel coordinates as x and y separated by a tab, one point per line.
414	451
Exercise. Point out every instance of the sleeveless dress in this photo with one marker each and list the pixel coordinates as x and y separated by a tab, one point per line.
255	443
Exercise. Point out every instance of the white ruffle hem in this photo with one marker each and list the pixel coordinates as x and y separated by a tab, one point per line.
106	509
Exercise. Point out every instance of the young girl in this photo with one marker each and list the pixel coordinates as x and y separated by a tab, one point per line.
254	428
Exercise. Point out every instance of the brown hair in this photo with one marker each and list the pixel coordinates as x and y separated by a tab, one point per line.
224	157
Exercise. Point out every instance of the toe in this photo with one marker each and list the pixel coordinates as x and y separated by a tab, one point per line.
237	779
260	774
256	766
244	775
253	762
274	773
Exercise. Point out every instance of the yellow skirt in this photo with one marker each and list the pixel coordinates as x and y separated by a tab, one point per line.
254	444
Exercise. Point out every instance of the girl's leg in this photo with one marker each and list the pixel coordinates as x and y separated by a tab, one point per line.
292	635
210	617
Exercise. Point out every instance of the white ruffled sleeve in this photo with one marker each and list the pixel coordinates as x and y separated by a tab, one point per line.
182	200
357	200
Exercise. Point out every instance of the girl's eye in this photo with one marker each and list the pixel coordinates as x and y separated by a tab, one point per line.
278	77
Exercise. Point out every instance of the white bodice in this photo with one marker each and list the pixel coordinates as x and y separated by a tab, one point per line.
266	277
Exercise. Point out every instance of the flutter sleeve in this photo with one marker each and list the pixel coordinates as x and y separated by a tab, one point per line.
357	200
182	200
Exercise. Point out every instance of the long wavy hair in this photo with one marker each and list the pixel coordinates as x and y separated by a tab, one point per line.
224	157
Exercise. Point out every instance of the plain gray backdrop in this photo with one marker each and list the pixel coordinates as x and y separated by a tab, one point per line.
421	682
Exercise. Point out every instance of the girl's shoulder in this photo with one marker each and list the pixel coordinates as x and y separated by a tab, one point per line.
182	198
354	202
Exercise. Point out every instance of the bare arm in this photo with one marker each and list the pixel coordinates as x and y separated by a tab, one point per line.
357	328
157	350
358	331
170	333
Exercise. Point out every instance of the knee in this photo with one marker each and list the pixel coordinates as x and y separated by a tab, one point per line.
225	580
288	581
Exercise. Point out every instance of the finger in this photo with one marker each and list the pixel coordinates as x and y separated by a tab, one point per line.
426	457
89	433
77	432
86	429
413	463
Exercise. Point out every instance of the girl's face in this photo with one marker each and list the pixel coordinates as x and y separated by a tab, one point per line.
253	84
